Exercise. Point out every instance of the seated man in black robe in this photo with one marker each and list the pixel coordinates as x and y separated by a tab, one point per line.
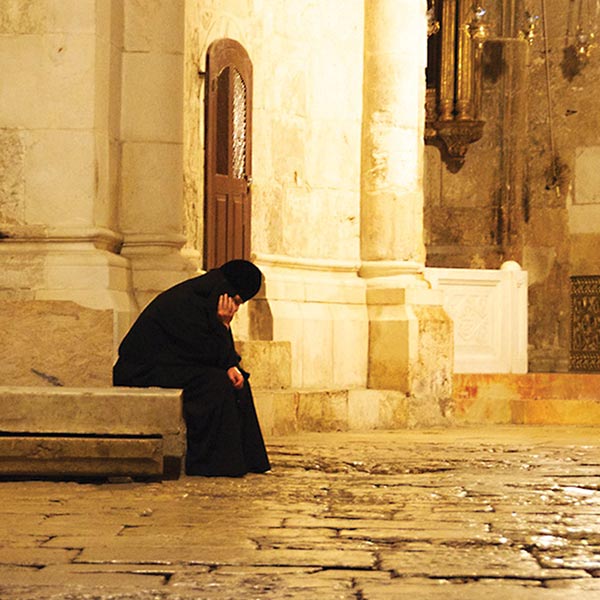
182	339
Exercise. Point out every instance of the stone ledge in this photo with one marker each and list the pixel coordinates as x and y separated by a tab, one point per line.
118	415
526	399
555	411
290	411
56	456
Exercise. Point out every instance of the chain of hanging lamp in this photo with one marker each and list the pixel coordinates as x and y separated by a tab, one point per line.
553	183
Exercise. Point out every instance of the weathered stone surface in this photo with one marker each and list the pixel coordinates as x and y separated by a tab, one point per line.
556	411
112	410
80	428
277	411
411	349
283	412
530	399
446	514
73	344
377	409
449	589
56	456
486	561
230	555
35	556
12	185
323	411
58	574
47	16
269	363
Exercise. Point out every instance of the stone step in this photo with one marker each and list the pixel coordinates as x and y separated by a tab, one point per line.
59	456
527	399
50	431
269	363
282	412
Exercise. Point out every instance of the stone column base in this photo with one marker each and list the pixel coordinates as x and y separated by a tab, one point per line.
66	302
318	307
411	348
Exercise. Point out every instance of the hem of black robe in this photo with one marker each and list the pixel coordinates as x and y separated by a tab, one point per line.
224	438
232	475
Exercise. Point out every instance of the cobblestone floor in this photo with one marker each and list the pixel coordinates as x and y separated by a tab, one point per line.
496	513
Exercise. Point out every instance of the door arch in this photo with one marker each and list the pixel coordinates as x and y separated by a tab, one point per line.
228	168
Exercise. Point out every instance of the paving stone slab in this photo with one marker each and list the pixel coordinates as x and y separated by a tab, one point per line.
70	568
204	555
64	525
35	556
447	590
270	584
469	562
278	582
84	580
423	514
226	540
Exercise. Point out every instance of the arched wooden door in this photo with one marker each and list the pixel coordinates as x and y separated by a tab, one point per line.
228	153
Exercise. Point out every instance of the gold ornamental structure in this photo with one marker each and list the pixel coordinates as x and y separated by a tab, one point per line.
458	30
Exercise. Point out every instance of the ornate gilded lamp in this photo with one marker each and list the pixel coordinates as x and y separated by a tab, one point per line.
454	80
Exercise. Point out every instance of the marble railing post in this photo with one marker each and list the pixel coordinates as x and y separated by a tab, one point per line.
410	343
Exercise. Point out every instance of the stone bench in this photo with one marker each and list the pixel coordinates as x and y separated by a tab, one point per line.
91	432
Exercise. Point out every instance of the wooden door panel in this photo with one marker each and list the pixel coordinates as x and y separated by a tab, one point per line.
220	241
228	153
238	224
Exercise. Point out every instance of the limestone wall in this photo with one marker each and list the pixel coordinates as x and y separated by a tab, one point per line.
60	100
102	170
64	290
307	61
91	211
529	190
151	208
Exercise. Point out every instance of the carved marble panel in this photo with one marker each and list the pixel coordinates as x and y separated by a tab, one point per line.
489	310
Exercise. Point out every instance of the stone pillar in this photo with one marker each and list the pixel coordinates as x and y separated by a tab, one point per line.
151	210
63	287
410	335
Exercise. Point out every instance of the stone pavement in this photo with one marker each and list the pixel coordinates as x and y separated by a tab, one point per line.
492	513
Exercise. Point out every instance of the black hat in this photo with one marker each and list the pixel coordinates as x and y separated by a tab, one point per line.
244	277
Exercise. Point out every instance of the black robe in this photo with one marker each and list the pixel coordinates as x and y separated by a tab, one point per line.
178	342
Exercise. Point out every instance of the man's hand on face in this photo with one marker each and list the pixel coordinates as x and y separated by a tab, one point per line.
227	307
236	378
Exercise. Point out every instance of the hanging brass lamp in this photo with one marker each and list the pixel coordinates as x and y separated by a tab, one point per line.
454	80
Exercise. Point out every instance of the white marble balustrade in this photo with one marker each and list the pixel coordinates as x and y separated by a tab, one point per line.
489	310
